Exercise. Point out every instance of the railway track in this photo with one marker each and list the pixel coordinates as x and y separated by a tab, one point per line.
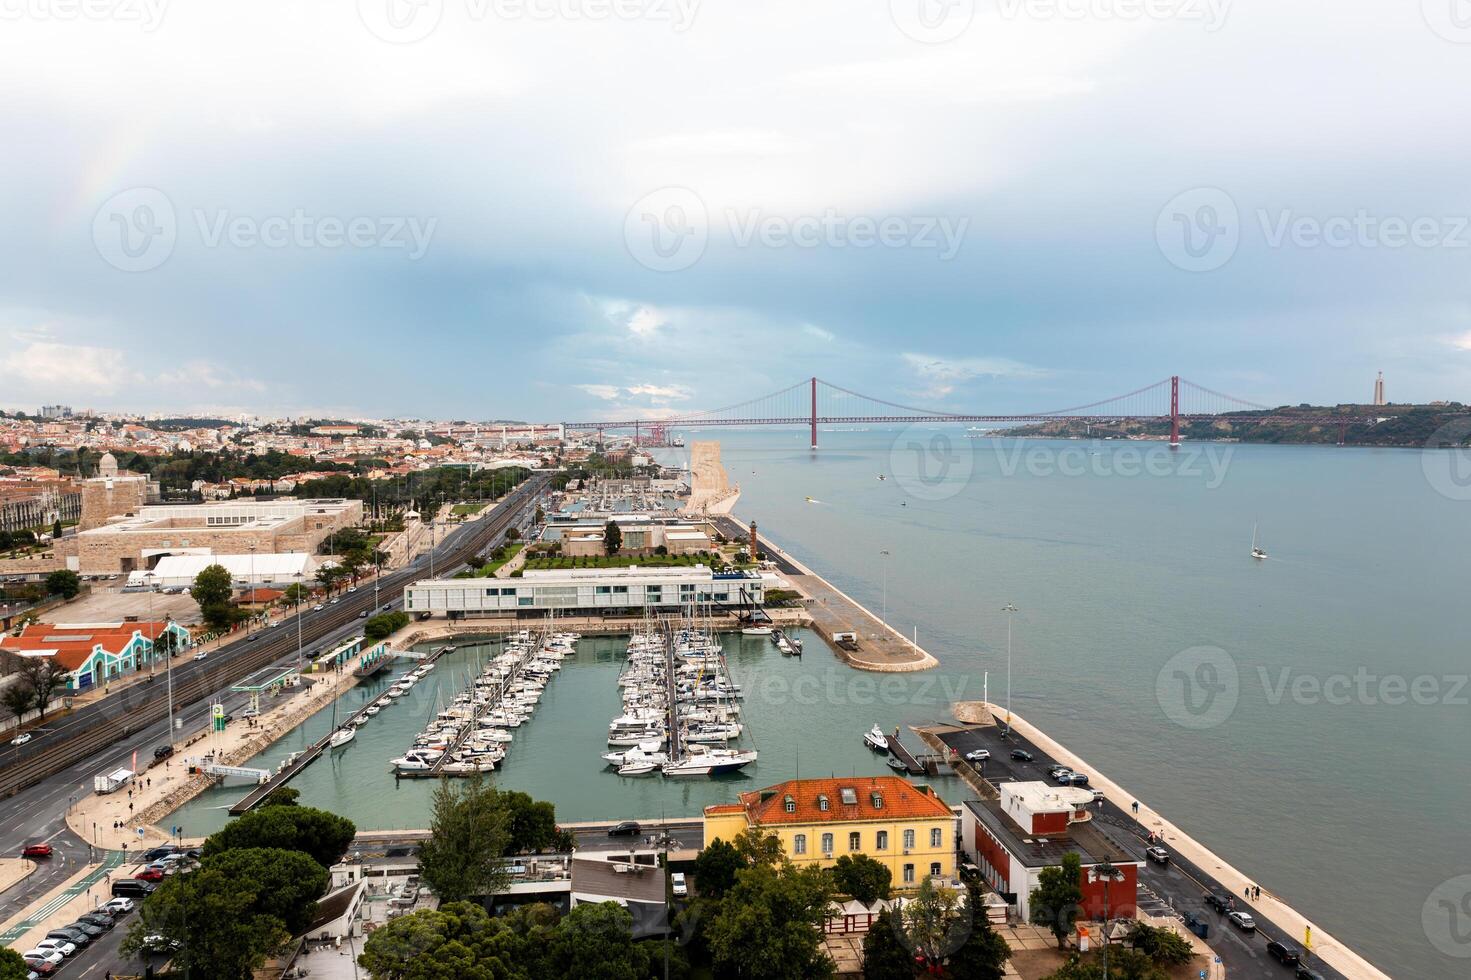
139	706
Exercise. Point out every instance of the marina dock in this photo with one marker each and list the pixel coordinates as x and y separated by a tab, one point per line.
914	764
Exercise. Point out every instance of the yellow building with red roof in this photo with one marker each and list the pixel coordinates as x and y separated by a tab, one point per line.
908	828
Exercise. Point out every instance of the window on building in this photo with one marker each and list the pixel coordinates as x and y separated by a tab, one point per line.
882	841
855	841
937	837
799	844
877	800
791	805
908	840
909	874
934	869
822	802
827	843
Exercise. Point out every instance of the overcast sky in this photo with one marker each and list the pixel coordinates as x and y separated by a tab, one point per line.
493	208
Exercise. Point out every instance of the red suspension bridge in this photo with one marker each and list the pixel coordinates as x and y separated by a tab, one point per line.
815	402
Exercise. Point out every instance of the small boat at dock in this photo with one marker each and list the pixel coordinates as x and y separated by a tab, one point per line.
876	739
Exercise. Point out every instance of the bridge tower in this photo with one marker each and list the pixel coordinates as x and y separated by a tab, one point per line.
1175	412
814	413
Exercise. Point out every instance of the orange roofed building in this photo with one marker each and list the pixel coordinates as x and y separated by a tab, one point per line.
95	653
908	828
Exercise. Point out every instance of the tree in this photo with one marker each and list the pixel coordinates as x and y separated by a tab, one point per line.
295	594
1123	964
1163	946
885	957
287	883
40	678
612	538
460	940
64	582
513	534
861	877
1056	900
212	915
12	967
531	824
56	530
468	834
476	562
281	796
322	835
759	848
596	940
18	698
212	590
716	867
384	624
935	922
769	926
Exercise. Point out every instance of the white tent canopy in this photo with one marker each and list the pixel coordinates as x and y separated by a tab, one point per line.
174	571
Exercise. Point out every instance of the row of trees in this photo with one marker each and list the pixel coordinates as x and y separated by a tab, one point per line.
384	624
256	887
39	680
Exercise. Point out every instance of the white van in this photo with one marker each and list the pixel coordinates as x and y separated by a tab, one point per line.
681	889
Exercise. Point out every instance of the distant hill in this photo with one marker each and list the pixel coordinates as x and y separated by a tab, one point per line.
1382	425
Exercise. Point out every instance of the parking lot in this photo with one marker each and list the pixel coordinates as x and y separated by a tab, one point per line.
1178	888
106	604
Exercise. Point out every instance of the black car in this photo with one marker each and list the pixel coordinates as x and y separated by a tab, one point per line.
157	853
1217	902
628	828
1192	920
1282	953
76	937
99	919
88	929
1157	854
162	752
1304	972
1022	755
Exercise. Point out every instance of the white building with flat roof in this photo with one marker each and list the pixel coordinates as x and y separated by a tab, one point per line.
174	571
584	590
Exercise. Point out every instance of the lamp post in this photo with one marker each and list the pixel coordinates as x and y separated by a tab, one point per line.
883	563
148	577
1106	872
1009	609
250	583
300	588
168	672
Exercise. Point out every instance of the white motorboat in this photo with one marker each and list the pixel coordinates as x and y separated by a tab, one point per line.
341	737
709	762
756	631
373	709
415	760
876	739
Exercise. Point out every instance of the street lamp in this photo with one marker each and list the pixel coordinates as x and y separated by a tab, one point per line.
1009	608
300	576
148	577
1107	872
885	566
250	583
168	672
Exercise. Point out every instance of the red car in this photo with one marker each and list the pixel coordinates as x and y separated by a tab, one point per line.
149	874
36	851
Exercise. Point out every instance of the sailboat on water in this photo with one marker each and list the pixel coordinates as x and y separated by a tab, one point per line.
1257	551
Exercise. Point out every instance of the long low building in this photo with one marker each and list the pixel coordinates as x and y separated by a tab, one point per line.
584	590
95	653
179	571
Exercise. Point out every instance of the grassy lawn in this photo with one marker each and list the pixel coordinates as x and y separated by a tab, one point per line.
489	568
465	510
621	561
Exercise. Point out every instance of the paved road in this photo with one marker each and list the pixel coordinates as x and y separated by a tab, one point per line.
1179	886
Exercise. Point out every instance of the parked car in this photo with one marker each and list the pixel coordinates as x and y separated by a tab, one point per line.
979	755
1242	921
1305	972
678	883
1283	953
99	919
87	929
158	853
1192	920
628	828
1063	777
1217	902
1157	854
162	752
149	874
119	906
38	958
1022	755
131	888
36	851
66	940
21	739
1078	778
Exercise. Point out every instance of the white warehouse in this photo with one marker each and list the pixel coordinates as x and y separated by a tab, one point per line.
584	590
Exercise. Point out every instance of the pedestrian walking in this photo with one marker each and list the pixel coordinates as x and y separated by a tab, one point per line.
1246	891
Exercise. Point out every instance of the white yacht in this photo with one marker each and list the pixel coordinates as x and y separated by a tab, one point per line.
876	739
341	737
702	761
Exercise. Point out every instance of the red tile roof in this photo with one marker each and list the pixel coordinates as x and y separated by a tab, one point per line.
900	800
74	644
